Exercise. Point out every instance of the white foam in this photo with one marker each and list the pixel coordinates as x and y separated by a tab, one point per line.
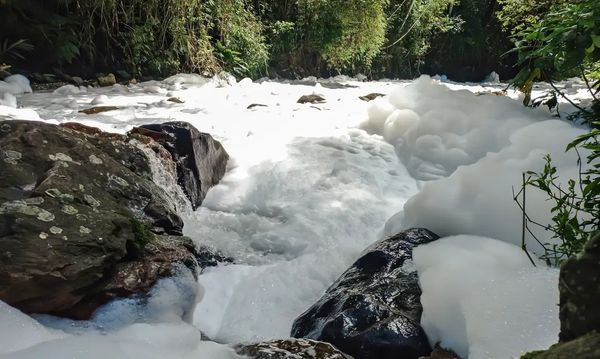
484	299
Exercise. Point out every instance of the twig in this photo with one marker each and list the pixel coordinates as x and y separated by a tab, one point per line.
523	245
587	83
566	98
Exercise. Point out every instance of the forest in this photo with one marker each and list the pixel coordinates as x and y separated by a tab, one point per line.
463	39
300	179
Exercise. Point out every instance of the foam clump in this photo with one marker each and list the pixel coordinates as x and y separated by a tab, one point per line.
478	199
15	84
8	99
484	299
70	90
158	326
435	129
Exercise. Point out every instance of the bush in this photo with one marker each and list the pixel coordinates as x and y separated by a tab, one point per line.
566	42
411	27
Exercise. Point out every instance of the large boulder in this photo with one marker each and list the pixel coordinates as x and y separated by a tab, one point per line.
373	310
81	220
291	349
579	287
201	160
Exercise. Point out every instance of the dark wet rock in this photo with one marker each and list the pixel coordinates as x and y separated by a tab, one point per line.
579	286
210	257
291	349
201	160
373	310
314	98
585	347
81	220
371	96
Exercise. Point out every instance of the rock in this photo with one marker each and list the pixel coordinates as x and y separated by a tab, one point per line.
579	287
495	93
585	347
78	81
373	310
314	98
175	100
81	220
124	75
371	96
98	109
201	160
107	80
209	257
251	106
441	353
291	349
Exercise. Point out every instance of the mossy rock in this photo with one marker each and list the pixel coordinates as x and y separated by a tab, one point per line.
585	347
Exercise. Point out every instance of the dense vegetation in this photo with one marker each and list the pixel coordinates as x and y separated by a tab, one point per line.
564	43
465	39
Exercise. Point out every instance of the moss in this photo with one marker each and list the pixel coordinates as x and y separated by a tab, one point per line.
141	233
532	355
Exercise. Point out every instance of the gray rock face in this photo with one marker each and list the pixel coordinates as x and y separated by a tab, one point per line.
373	310
292	349
81	221
201	160
579	287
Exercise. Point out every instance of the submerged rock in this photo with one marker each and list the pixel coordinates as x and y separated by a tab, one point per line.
371	96
81	220
314	98
201	160
291	349
373	310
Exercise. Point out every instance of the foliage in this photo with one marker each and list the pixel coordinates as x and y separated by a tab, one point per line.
141	233
565	43
14	50
475	49
411	29
576	206
517	15
241	44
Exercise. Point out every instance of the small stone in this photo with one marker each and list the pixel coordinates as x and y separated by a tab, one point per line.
65	238
67	198
95	160
91	201
84	230
118	180
43	235
55	230
53	192
314	98
45	216
69	209
60	157
34	201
